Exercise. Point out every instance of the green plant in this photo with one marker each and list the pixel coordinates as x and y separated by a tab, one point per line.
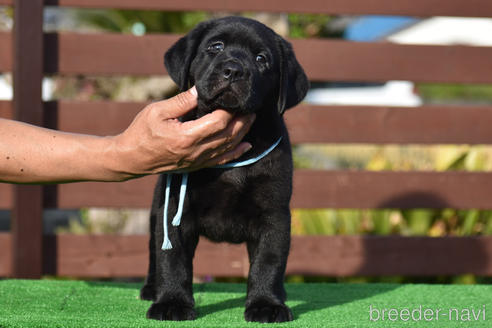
309	25
152	21
458	93
408	222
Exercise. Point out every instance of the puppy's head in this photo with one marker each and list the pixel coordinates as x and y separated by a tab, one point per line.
237	64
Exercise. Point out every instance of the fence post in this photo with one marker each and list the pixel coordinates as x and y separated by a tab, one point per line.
27	213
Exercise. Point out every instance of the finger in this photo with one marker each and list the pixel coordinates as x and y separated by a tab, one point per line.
231	136
226	143
215	146
208	125
180	104
234	154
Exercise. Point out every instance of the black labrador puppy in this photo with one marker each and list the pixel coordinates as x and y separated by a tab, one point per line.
243	66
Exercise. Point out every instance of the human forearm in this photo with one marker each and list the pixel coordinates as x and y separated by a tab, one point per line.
152	144
31	154
156	141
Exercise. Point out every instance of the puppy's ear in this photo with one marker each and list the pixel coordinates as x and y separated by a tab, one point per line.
293	81
179	57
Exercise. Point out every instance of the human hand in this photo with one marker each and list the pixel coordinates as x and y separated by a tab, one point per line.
156	141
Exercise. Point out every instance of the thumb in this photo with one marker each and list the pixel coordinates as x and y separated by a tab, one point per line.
182	103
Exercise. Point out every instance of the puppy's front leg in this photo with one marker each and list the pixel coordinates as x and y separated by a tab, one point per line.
268	257
173	280
147	292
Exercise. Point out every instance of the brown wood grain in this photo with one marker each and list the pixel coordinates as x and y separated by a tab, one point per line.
104	256
322	59
27	207
5	51
5	254
70	53
131	194
383	125
311	124
381	61
321	189
364	189
96	255
480	8
93	117
331	60
375	255
6	109
5	196
313	189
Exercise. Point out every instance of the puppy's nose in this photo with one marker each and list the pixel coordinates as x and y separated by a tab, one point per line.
232	71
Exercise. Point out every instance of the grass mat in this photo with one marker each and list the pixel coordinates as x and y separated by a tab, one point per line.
50	303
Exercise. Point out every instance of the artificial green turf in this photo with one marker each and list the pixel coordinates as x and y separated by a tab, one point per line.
49	303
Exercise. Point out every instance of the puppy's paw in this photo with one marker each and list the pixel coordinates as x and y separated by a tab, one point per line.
159	311
268	313
147	293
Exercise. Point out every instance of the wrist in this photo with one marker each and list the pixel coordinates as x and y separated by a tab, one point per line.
115	160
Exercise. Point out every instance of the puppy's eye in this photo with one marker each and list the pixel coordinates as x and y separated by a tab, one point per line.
260	58
216	46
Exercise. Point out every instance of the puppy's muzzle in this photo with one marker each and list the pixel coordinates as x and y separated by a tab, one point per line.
232	71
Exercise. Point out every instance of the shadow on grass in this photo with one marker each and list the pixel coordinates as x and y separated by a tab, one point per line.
305	298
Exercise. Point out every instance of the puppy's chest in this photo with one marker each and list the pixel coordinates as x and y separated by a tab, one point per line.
224	205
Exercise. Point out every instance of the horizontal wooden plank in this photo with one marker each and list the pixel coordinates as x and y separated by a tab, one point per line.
431	124
364	189
312	189
92	117
335	60
315	124
6	196
480	8
321	189
339	60
5	52
96	255
322	59
5	254
375	255
474	8
105	256
382	125
6	109
70	53
132	194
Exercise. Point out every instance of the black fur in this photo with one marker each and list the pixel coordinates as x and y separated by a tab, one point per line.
247	204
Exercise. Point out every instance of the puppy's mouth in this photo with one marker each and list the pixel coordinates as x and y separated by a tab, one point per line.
223	95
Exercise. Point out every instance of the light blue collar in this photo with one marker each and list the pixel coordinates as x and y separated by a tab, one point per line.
182	191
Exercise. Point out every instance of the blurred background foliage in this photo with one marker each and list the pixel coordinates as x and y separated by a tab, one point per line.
455	93
132	21
414	222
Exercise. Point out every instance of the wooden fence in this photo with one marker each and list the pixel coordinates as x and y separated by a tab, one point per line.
29	54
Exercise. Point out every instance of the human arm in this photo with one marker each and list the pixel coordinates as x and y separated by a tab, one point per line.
156	141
